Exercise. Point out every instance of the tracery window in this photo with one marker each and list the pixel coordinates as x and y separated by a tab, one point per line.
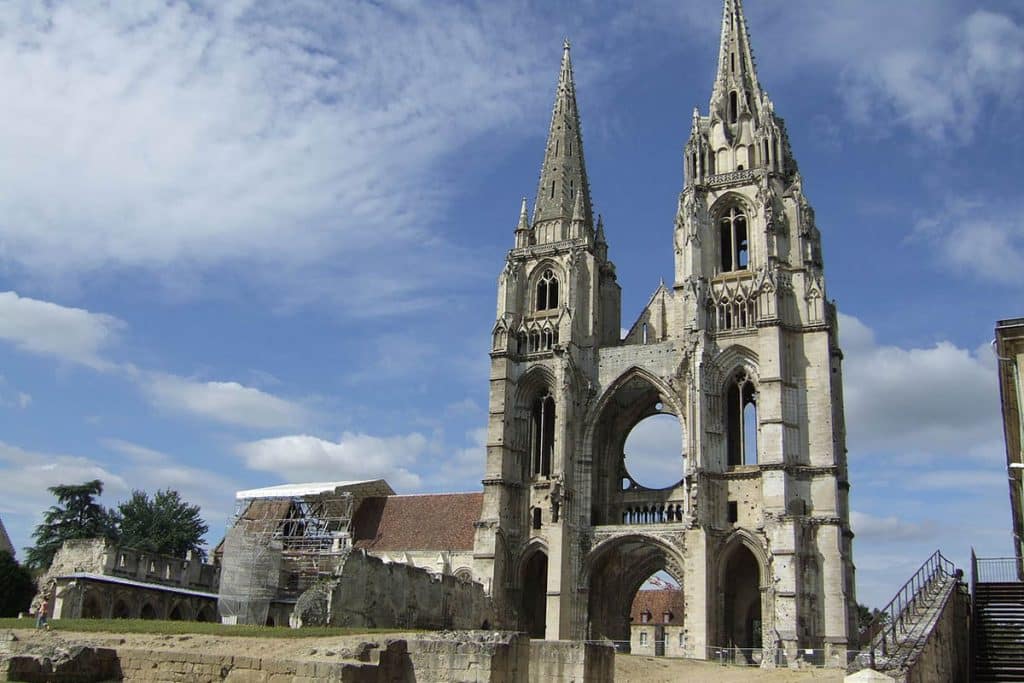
741	421
732	228
547	291
542	435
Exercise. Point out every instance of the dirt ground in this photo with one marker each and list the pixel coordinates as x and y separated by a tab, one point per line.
627	667
663	670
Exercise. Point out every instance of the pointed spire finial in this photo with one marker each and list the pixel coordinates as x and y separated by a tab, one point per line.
599	238
737	72
577	208
524	222
563	175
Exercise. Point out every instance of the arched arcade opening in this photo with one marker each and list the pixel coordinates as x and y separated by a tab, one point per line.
615	572
741	596
533	608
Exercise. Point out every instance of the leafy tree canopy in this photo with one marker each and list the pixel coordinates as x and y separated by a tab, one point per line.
16	586
162	524
76	515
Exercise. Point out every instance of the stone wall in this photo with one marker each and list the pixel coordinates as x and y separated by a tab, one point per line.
90	559
946	653
499	657
367	592
464	657
571	661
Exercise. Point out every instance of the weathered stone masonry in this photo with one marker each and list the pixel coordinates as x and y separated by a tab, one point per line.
742	348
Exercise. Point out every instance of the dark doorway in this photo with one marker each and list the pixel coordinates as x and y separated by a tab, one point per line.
742	605
535	595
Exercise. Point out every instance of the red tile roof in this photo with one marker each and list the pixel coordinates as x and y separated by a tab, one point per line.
657	602
436	521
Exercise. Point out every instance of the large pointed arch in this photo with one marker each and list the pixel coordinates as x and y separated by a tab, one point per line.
634	396
615	570
742	618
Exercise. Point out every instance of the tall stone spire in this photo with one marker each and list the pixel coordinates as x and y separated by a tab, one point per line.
736	90
563	175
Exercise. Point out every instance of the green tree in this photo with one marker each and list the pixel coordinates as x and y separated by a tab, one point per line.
164	524
76	515
16	586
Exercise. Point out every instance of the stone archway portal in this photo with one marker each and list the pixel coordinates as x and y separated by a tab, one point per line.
534	595
617	573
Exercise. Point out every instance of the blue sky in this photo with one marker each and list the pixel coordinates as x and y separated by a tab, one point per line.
243	244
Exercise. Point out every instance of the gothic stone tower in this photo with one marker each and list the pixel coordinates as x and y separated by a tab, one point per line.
742	350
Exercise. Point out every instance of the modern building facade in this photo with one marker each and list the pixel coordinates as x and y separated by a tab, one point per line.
741	348
1009	346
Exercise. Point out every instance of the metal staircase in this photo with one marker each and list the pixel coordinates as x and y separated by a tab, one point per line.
997	618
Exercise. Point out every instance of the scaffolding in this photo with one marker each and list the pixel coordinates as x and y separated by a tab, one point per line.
277	546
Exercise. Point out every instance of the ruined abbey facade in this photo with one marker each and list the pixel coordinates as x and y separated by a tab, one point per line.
742	349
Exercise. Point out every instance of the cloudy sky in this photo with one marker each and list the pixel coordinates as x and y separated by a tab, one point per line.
246	243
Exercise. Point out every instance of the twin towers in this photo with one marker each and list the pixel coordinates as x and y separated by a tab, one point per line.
741	349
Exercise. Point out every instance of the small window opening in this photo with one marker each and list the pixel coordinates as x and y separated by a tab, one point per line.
552	189
741	421
645	618
572	189
739	167
542	430
643	636
570	147
556	147
536	518
547	291
734	512
732	58
733	114
644	331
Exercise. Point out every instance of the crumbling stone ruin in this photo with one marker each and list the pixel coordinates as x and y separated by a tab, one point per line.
364	591
93	578
741	348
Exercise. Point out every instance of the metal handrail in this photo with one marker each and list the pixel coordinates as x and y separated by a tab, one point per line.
892	619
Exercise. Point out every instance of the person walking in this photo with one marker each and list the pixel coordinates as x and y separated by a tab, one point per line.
43	613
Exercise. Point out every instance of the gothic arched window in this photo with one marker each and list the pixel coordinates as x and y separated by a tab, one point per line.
741	421
542	435
547	291
735	247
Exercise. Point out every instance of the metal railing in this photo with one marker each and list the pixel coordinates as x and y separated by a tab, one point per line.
996	569
883	633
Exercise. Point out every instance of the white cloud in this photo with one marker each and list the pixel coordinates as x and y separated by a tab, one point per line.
938	80
460	469
25	476
927	464
149	469
889	529
983	239
937	401
169	134
42	327
227	402
302	457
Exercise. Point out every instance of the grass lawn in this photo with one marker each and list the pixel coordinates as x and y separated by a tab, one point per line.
181	627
